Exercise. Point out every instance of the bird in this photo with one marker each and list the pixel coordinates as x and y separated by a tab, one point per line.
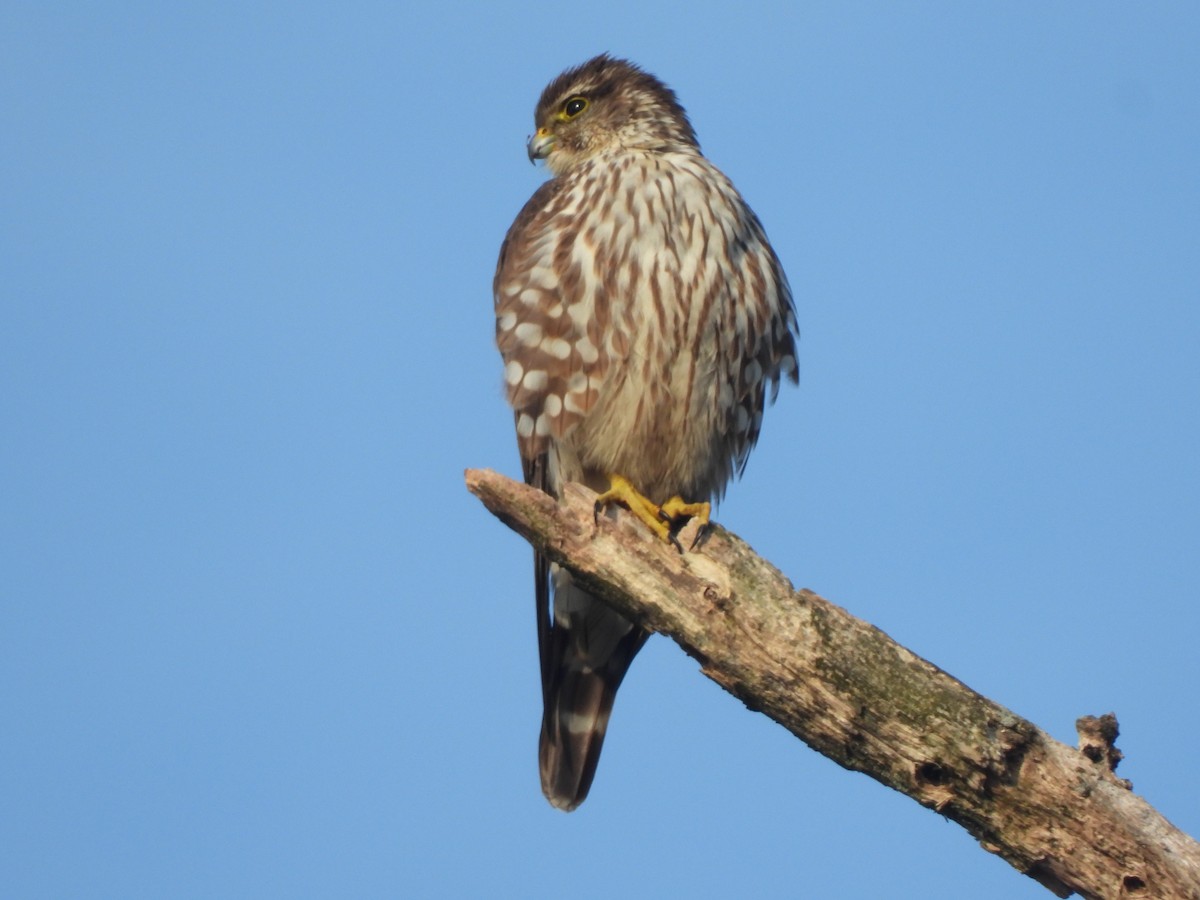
642	318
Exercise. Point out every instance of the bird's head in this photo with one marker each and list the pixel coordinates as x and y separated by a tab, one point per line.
602	105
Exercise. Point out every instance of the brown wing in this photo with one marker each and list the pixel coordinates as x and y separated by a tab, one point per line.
765	323
548	319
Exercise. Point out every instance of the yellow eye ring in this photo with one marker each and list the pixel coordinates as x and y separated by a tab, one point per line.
573	107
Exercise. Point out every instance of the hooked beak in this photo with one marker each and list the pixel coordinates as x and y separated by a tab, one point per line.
540	145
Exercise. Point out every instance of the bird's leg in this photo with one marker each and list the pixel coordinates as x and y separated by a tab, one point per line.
621	491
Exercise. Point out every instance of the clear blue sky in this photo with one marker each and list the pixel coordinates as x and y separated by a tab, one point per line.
257	640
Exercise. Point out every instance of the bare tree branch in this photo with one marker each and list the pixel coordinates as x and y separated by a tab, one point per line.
846	689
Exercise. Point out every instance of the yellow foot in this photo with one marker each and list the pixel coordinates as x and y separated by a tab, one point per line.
622	492
677	511
663	521
678	508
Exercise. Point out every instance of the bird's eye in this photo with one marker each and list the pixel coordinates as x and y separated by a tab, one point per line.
574	107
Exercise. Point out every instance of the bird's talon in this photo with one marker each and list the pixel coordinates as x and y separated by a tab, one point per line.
702	534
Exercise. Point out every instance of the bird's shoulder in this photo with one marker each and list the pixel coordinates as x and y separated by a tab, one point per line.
516	239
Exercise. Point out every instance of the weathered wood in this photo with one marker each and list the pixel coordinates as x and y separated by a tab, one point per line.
1058	814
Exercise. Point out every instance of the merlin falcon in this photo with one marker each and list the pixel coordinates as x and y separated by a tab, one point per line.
642	318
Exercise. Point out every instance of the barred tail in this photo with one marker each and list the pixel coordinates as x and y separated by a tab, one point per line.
591	649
